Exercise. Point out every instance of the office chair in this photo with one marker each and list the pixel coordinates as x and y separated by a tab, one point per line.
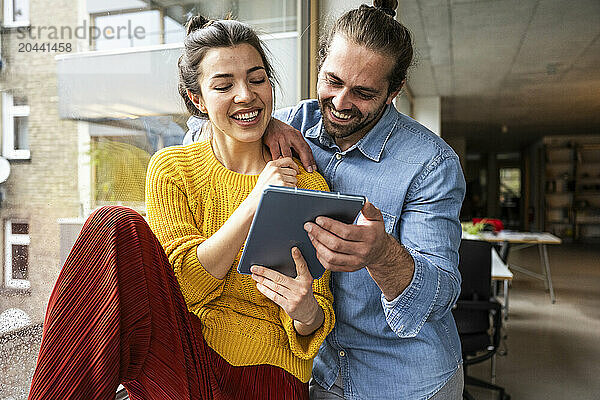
476	310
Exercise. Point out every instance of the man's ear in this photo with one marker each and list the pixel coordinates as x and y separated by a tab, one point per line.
395	93
196	100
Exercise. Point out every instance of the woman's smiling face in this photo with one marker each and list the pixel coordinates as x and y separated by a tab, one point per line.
236	92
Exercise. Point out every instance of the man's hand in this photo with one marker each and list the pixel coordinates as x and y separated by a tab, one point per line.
281	138
344	247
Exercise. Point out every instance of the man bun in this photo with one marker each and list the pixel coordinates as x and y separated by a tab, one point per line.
375	28
387	6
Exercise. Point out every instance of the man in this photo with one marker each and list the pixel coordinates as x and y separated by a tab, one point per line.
395	276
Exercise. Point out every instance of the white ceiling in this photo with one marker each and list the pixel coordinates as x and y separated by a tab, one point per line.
532	65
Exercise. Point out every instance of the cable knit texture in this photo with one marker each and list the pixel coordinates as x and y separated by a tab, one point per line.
189	196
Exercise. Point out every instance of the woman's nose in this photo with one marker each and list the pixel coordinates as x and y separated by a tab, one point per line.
244	94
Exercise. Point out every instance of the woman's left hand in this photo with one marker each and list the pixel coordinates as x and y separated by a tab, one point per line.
294	295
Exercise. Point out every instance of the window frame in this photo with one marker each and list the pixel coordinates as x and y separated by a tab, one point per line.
9	15
9	113
11	239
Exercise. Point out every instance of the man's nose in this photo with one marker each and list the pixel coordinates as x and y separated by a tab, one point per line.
341	100
244	94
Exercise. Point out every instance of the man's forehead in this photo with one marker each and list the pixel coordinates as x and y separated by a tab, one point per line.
355	63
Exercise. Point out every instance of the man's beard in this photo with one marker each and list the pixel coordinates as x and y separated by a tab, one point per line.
339	131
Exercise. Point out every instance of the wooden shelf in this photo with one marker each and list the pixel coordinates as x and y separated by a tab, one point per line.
588	193
572	163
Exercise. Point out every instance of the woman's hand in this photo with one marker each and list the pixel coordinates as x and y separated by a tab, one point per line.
281	172
294	295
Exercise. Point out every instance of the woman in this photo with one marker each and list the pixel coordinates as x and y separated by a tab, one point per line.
117	313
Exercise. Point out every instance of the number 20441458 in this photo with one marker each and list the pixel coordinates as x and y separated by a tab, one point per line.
45	47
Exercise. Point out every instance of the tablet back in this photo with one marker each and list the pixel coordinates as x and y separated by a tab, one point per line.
278	225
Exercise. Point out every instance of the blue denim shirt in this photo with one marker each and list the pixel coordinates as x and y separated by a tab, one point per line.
406	348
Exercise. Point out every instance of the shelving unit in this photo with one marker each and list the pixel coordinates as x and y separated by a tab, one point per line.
587	192
559	189
572	187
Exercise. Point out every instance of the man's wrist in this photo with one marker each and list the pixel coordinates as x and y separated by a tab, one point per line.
394	269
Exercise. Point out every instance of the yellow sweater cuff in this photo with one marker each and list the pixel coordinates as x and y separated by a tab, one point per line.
307	347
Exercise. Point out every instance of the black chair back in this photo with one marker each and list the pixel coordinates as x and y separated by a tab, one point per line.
475	266
476	312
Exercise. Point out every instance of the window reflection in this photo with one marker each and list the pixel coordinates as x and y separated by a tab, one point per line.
81	117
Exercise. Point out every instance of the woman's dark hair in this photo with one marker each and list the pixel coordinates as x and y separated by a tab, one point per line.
376	29
203	35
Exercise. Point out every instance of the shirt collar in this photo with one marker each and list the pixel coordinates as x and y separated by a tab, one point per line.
372	144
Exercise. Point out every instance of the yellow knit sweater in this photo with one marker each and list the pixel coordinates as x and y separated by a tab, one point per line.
189	196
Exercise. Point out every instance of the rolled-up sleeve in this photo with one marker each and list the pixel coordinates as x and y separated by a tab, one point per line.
430	231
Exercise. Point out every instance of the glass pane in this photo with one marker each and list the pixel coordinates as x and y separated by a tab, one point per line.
19	100
104	114
21	133
98	6
510	197
20	260
127	30
510	182
174	31
120	170
20	10
269	16
19	228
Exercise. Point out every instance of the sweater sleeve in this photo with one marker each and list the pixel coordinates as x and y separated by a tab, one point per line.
306	347
171	218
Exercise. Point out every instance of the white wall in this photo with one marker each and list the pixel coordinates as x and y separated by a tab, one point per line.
428	111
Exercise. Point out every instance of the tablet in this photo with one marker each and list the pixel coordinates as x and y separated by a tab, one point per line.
278	225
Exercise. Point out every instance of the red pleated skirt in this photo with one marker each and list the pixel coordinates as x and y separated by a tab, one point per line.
117	315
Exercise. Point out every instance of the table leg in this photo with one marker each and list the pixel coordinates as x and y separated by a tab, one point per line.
544	252
493	369
543	265
505	299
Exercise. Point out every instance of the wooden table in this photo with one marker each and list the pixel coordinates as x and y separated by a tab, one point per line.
521	240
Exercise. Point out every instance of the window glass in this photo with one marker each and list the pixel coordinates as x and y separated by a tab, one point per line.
509	196
15	126
19	228
20	256
20	10
21	133
130	29
80	121
174	31
96	6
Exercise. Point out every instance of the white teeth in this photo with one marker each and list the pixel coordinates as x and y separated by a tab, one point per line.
340	115
246	116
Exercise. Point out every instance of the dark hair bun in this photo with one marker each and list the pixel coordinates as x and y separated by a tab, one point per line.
195	23
387	6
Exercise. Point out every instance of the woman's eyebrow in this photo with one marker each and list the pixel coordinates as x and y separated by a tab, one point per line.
228	75
255	68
